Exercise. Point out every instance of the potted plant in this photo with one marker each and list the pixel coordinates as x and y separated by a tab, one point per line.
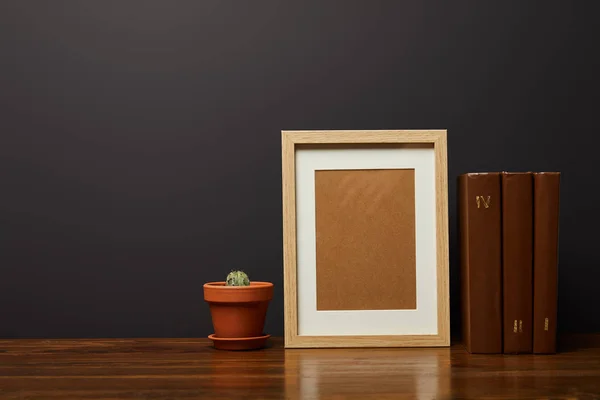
238	309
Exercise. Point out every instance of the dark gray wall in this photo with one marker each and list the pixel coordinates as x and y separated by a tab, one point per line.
140	140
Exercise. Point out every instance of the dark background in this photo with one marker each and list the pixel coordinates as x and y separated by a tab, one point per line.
140	140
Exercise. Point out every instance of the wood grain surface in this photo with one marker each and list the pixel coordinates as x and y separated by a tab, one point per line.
192	369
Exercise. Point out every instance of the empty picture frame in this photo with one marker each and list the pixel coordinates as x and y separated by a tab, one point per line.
365	238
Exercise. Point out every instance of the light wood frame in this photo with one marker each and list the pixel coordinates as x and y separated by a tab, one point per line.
290	139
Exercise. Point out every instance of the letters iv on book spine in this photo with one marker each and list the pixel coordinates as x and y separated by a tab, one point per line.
480	241
517	261
545	260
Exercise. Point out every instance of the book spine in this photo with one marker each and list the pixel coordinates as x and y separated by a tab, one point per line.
545	261
479	224
517	261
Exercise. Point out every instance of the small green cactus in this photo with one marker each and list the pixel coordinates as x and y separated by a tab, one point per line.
237	278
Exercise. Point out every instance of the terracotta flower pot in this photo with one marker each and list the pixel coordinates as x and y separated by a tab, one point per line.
238	311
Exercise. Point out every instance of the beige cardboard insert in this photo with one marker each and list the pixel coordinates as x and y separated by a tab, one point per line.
365	239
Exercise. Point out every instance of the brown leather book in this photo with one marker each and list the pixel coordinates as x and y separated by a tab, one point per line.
517	261
545	260
480	241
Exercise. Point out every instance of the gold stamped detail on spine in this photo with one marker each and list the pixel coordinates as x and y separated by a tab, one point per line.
482	200
546	324
520	325
515	327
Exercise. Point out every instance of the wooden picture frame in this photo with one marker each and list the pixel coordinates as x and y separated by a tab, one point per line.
421	330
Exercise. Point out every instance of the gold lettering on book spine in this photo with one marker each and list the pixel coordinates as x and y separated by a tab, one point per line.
520	326
483	201
546	324
515	327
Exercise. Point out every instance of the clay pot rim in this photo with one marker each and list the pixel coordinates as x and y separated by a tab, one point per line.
220	285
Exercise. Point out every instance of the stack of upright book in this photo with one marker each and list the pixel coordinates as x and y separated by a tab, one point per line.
508	240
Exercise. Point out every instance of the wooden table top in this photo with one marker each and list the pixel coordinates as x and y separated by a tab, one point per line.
192	369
